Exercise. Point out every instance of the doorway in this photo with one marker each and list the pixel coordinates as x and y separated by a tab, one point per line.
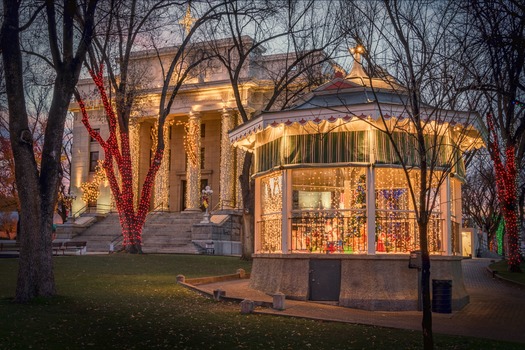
325	280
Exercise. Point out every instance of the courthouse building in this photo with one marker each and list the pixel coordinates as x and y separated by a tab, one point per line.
206	102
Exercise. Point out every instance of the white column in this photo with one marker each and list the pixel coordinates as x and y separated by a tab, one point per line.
371	195
446	212
227	173
286	223
134	144
161	190
257	216
193	168
371	210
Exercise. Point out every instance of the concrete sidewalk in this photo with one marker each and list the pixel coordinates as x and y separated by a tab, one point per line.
496	309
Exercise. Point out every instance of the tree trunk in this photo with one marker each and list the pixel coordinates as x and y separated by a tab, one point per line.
35	274
248	198
428	339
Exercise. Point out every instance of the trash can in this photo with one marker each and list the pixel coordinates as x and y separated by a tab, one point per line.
442	296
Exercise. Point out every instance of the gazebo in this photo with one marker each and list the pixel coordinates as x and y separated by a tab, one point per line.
333	217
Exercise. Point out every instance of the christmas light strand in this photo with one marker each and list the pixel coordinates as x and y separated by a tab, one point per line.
518	103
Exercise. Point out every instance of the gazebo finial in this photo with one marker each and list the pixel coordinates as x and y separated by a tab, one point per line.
357	70
356	52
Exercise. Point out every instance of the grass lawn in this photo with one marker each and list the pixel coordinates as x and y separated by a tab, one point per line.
503	270
124	301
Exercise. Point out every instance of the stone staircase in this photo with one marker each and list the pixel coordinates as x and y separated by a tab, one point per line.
100	234
170	233
162	233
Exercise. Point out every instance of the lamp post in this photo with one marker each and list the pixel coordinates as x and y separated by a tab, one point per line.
206	200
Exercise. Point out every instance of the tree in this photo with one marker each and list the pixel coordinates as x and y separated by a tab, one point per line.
410	39
37	188
480	201
307	45
496	65
125	26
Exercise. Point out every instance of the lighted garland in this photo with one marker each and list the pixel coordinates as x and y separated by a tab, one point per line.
227	177
189	143
134	141
91	189
506	176
161	195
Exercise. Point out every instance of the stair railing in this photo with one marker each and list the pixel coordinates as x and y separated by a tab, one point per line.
114	244
78	213
161	210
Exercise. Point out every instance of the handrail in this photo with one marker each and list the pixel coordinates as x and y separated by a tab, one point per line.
115	241
160	205
79	212
221	204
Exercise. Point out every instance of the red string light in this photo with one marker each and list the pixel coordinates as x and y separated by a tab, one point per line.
131	221
506	184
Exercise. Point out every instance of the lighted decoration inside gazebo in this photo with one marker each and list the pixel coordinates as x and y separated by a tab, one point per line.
329	187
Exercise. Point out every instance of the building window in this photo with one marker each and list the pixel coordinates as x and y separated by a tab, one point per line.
203	130
93	161
91	139
202	158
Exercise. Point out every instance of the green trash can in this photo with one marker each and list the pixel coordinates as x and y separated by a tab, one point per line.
442	296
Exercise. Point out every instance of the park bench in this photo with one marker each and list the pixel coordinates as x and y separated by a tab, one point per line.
73	246
56	246
10	246
210	248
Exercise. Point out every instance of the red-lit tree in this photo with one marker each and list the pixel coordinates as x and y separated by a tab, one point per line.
118	167
506	183
496	63
123	29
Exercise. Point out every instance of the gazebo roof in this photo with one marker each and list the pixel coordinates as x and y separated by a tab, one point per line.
351	103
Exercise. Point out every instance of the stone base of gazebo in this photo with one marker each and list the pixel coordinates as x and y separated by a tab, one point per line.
369	282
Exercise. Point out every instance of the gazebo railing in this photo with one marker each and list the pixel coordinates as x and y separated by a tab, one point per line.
397	232
329	231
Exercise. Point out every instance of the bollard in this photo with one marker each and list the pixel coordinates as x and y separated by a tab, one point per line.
218	294
247	306
278	301
181	279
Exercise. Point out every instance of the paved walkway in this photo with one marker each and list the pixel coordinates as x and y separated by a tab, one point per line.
496	309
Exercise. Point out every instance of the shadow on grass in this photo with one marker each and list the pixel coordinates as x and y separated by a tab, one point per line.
133	302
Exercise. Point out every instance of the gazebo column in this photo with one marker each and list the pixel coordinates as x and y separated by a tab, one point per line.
193	168
371	194
370	210
227	174
446	212
286	223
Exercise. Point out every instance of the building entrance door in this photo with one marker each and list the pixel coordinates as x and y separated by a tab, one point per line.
325	280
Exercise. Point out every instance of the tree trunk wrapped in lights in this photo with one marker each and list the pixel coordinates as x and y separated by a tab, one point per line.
506	183
117	149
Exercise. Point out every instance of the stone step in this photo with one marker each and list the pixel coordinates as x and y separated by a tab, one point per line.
162	233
